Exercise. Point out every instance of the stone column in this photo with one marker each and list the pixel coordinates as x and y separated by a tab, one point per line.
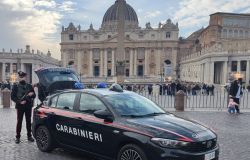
225	72
146	62
131	62
11	68
113	63
135	62
105	63
211	72
79	64
238	66
101	63
3	71
158	62
91	63
23	67
248	72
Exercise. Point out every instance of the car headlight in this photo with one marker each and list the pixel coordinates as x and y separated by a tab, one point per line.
169	143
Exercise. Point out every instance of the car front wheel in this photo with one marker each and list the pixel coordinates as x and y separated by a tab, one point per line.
131	152
43	139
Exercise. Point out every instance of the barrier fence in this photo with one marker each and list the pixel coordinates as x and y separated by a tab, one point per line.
194	99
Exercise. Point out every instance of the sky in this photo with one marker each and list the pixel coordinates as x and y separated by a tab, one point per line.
39	22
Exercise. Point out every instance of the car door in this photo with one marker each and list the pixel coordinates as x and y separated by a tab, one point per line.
99	136
64	118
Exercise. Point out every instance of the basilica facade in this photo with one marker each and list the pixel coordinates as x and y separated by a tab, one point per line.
150	53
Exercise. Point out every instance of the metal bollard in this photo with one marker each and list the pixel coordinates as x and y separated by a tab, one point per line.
6	98
179	101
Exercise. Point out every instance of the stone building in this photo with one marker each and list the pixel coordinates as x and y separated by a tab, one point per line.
26	60
219	52
149	52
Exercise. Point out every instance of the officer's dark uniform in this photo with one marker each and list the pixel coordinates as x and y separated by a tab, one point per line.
20	93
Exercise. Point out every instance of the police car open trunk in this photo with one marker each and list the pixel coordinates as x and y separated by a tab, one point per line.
52	80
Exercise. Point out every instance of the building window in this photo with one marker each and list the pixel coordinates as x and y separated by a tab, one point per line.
230	34
243	65
127	61
140	70
168	35
234	66
109	36
241	34
141	36
236	33
96	71
127	36
127	72
96	61
109	61
224	33
71	37
152	35
109	72
85	37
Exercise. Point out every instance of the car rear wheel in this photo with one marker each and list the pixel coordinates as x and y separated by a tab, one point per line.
43	139
131	152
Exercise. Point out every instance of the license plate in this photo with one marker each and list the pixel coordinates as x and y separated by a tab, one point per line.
210	156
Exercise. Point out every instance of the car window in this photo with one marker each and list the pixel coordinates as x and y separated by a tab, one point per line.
66	101
53	101
90	104
132	104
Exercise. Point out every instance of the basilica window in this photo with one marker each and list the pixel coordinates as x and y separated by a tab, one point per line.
96	53
109	36
152	35
140	70
109	72
127	72
127	54
96	71
141	53
71	37
109	53
243	65
168	35
127	36
234	66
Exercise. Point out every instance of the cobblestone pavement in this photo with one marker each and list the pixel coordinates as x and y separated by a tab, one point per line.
233	132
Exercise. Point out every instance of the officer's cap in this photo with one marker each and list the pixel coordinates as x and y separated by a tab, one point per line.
21	74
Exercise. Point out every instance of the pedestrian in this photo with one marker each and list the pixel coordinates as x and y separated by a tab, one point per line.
236	92
23	95
231	106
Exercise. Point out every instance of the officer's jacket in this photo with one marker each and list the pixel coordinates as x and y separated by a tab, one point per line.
20	93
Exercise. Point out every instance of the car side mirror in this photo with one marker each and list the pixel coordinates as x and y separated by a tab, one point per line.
104	114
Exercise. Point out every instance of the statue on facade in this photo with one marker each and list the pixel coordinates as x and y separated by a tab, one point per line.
148	25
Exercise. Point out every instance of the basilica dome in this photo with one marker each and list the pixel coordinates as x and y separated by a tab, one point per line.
111	16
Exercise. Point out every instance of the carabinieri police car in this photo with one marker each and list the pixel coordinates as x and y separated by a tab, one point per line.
119	125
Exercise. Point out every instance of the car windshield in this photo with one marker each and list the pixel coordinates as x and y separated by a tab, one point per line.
55	76
133	105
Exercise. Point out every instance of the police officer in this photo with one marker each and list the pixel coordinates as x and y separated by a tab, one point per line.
23	95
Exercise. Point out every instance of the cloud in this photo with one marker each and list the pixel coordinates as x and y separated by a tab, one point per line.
67	6
152	14
45	3
193	14
33	22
